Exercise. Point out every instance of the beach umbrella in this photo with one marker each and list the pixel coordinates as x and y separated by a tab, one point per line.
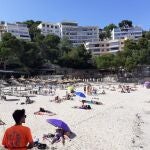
147	84
59	124
80	94
70	88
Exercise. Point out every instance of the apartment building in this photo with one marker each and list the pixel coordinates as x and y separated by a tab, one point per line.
2	29
49	28
105	47
18	30
79	34
76	34
128	32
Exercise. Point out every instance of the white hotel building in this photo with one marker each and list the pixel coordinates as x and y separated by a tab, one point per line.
18	30
49	28
76	34
129	33
105	47
116	43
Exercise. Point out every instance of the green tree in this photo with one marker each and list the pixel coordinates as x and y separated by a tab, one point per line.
143	43
105	61
33	30
103	35
146	34
108	29
10	48
119	60
51	48
78	57
125	23
65	46
31	56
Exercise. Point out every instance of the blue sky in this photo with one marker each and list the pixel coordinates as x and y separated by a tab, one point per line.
85	12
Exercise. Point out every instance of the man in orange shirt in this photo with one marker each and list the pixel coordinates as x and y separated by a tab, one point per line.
18	137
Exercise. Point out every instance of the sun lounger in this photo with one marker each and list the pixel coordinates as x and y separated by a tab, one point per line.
11	98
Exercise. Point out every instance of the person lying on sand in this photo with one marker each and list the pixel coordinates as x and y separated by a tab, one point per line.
1	122
86	107
42	111
92	102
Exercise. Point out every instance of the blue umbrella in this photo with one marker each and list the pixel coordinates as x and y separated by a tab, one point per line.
80	94
59	124
147	84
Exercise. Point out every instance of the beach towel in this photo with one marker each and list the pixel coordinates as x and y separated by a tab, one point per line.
44	113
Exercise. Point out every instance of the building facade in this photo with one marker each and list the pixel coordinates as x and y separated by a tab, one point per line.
128	32
18	30
49	28
105	47
79	34
76	34
2	29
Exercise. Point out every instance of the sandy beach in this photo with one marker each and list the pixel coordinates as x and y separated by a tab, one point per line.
121	123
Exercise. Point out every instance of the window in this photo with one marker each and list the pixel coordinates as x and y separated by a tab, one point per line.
115	48
52	26
48	26
43	25
96	50
55	27
96	45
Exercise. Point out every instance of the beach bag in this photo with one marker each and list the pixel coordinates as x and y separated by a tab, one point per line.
42	146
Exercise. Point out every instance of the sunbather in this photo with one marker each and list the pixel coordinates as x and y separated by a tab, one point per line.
57	99
3	97
123	91
86	107
91	102
42	111
28	100
60	134
1	122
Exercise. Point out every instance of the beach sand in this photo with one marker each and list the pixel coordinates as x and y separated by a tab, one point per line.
122	123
